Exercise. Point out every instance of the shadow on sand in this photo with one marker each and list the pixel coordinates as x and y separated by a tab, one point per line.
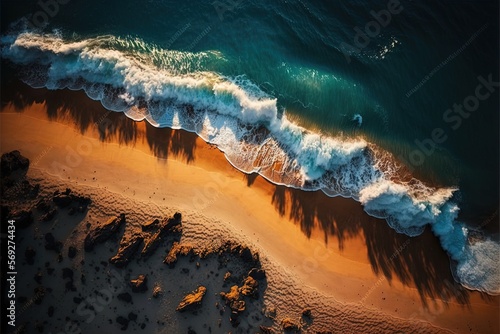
418	262
88	115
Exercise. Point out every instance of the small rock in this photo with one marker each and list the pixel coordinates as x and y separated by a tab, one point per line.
192	300
139	284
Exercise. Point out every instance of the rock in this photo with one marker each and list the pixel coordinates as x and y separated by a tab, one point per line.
13	161
192	300
154	241
123	322
227	275
103	232
49	215
51	243
22	218
176	250
249	287
139	284
150	225
157	291
232	295
289	325
307	313
30	254
128	248
125	297
232	298
258	274
72	252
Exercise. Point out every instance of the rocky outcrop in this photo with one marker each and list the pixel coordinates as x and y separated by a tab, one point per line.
150	225
177	249
139	284
13	161
192	300
232	299
249	287
128	248
166	226
103	232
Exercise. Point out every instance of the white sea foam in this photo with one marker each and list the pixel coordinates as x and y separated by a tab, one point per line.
157	85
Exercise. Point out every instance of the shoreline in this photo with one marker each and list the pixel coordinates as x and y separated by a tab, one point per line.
359	253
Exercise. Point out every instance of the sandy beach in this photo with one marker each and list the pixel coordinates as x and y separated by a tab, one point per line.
326	254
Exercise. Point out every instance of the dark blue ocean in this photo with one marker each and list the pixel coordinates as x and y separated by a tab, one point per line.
392	103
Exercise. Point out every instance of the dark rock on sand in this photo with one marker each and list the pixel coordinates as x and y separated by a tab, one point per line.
139	284
13	161
192	300
103	232
126	251
125	297
307	313
30	254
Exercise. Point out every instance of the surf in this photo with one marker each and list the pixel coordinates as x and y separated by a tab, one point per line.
181	90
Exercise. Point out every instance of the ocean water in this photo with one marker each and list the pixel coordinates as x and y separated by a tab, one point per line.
357	99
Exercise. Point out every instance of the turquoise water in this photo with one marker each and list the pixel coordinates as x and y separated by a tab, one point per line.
343	113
